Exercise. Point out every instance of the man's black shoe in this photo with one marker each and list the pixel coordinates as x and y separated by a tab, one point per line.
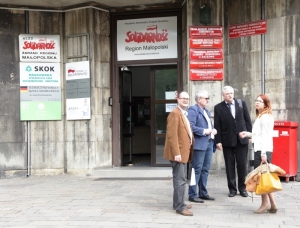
207	197
232	194
196	200
244	194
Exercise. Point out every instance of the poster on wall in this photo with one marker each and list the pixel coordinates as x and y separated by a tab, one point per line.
39	48
147	38
40	91
78	90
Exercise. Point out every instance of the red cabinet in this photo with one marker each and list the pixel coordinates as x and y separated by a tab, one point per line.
285	152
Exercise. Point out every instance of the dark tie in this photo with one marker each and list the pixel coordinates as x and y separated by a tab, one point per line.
229	107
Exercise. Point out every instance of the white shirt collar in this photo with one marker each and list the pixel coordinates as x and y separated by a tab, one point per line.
231	102
184	112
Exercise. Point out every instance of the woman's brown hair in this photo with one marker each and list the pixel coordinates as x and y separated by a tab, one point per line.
267	103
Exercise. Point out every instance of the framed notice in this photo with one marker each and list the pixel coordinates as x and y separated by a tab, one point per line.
206	74
248	29
206	31
147	38
78	88
170	107
204	54
206	43
40	91
206	64
39	48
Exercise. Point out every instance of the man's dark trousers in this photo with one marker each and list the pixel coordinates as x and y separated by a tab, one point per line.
234	156
179	184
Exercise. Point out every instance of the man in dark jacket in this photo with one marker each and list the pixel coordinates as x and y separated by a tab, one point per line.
231	116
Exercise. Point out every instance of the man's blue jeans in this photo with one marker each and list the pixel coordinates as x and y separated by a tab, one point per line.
201	163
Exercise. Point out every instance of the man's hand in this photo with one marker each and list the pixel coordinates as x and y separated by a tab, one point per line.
214	131
178	158
243	134
219	146
207	131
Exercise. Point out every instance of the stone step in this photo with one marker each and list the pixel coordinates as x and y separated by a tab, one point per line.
133	172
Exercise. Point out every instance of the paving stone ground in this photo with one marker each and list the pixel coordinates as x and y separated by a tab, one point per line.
76	201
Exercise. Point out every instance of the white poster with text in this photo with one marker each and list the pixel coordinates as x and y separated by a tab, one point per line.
147	38
78	90
39	48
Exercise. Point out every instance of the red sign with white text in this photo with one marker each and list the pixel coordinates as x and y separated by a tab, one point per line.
202	54
206	53
206	43
248	29
206	64
210	31
206	74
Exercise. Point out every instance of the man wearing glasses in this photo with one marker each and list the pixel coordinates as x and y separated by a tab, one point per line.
230	118
204	134
178	149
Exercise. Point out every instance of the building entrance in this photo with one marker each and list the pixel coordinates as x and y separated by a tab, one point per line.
147	95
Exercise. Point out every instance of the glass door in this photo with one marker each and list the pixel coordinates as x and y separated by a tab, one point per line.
126	116
164	85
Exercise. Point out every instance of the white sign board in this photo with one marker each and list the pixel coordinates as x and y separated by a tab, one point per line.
170	107
78	90
170	95
40	91
147	38
39	74
78	109
77	70
39	48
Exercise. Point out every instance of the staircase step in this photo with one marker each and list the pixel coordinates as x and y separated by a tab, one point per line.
133	172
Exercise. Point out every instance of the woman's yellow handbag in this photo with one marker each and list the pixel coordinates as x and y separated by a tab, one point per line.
251	182
268	182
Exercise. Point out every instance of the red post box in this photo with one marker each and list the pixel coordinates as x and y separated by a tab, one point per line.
285	151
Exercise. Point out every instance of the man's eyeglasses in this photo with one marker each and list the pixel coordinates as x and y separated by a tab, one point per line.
259	101
186	99
206	98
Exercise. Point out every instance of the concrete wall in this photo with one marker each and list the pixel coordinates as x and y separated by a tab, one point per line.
13	132
213	87
242	56
79	146
87	143
56	146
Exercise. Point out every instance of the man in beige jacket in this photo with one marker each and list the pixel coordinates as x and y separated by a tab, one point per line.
178	149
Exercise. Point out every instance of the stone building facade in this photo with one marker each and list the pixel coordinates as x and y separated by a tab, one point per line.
80	146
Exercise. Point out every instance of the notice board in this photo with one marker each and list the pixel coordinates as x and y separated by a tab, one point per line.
206	53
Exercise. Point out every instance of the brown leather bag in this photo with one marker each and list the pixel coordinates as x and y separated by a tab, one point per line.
252	182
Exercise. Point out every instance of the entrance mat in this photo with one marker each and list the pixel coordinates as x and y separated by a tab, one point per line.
133	178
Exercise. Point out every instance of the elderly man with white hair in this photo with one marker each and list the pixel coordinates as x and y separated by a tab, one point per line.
231	117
